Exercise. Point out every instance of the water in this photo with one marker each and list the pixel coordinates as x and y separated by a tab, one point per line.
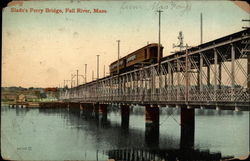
60	134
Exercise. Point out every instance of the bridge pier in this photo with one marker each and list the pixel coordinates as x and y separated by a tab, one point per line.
187	127
100	112
103	112
125	116
96	111
152	126
82	106
74	107
86	110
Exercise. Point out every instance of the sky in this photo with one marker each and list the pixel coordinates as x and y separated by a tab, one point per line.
44	49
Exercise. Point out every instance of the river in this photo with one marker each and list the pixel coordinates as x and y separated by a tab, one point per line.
60	134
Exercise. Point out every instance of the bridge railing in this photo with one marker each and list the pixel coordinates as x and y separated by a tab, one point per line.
208	95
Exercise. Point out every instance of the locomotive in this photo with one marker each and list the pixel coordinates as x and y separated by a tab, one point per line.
143	56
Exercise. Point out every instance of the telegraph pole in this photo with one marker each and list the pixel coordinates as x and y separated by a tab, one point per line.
187	77
159	43
85	73
104	71
72	80
97	73
118	63
201	29
77	77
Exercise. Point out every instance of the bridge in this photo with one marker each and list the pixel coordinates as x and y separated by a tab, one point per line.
213	75
207	75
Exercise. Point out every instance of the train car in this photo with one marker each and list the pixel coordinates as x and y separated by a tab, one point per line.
113	67
145	55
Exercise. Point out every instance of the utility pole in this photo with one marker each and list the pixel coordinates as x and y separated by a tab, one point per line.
77	77
85	73
72	80
201	29
104	71
66	83
187	81
97	73
118	62
159	43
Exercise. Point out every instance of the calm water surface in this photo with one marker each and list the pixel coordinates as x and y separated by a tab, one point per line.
59	134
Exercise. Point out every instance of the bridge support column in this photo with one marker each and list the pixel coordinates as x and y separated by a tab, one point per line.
219	74
169	81
103	112
82	106
187	127
201	73
96	111
125	116
74	107
208	75
215	73
87	110
233	72
178	79
248	72
100	112
152	126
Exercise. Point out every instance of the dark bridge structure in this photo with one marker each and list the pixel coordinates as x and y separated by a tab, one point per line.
213	75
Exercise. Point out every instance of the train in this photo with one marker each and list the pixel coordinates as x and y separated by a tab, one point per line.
142	57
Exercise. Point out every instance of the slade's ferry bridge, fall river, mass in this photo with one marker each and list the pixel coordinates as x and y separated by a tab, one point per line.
206	77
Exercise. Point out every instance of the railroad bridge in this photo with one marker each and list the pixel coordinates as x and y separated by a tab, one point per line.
213	75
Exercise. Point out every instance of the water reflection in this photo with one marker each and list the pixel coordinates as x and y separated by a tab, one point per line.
119	140
152	133
21	111
129	140
163	154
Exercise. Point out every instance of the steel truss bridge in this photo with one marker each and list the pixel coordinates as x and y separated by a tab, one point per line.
215	74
